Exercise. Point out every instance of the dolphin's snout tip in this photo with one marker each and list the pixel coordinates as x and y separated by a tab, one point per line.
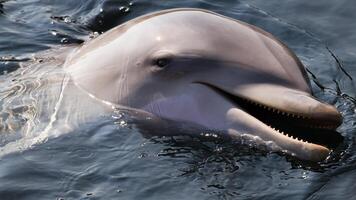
337	116
329	115
319	154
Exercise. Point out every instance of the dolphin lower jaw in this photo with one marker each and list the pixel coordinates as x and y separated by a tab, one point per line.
241	122
307	136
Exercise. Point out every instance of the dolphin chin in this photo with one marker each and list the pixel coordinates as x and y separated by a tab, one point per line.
299	130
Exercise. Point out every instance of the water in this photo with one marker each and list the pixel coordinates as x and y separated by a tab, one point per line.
109	159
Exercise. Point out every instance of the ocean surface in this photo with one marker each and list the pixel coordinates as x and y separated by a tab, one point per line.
107	159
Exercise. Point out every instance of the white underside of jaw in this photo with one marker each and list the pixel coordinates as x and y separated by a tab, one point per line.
240	122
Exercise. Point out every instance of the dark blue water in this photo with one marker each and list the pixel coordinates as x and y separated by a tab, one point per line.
103	160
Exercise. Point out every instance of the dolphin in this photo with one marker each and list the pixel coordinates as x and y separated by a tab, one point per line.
196	66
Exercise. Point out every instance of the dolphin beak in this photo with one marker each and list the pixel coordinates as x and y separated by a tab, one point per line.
292	103
292	119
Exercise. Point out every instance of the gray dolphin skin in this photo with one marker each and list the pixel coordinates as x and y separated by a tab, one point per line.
196	66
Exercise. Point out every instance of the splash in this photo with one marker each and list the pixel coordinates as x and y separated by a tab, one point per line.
30	100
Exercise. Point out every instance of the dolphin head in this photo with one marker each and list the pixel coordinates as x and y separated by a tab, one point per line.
200	67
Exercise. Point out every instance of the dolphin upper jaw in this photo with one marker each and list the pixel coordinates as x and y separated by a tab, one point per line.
292	103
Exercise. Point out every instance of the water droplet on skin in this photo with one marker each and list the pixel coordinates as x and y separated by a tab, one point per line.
94	35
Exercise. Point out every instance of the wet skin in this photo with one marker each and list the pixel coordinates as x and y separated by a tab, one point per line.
196	66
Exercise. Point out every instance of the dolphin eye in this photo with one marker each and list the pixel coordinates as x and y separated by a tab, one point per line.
162	62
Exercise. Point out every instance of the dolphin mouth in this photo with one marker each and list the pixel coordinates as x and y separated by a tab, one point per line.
298	127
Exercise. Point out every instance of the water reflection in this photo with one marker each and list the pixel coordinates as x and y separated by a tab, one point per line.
108	159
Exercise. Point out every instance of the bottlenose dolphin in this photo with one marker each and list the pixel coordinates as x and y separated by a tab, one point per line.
196	66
